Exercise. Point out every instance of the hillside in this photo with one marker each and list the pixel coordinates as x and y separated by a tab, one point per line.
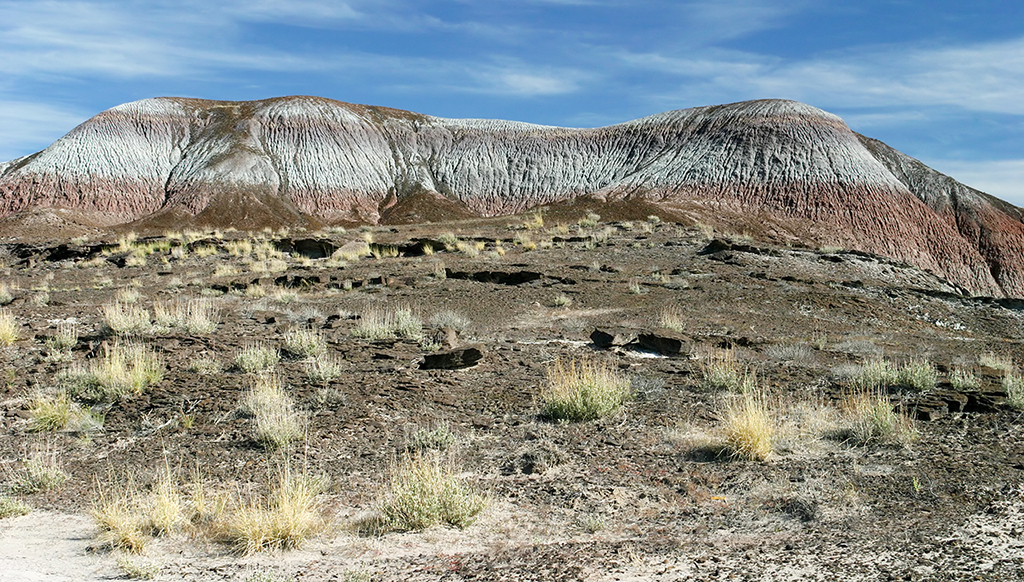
777	170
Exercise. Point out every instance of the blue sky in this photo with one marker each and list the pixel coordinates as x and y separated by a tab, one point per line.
940	81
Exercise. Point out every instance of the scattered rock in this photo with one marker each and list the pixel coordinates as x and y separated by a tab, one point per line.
665	342
604	337
455	359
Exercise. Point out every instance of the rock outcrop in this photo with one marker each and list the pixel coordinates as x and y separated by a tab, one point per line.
778	166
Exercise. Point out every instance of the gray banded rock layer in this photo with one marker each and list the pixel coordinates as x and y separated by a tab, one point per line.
308	160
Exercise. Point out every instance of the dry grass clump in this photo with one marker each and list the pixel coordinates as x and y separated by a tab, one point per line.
917	374
1013	383
305	343
381	251
870	376
257	357
449	240
450	318
720	371
672	317
129	515
582	390
194	316
422	492
963	379
382	322
64	339
206	365
324	368
999	362
276	423
589	221
285	519
871	419
12	507
470	249
125	370
119	514
126	319
137	570
42	471
55	411
749	426
439	438
9	328
797	353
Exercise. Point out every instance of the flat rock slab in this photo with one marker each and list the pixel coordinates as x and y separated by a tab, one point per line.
455	359
665	342
606	337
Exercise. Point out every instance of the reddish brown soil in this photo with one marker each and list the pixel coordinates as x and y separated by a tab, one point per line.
664	505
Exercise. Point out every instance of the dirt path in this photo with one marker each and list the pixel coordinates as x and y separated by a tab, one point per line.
51	547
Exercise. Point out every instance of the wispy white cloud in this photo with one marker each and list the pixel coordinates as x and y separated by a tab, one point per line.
985	77
1002	178
27	127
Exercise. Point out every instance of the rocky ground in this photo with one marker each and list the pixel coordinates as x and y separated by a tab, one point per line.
648	493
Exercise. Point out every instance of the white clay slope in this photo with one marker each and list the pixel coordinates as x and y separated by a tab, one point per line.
298	158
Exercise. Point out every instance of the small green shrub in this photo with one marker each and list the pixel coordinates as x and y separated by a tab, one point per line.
583	390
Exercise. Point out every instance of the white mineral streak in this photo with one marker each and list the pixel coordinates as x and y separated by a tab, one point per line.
341	162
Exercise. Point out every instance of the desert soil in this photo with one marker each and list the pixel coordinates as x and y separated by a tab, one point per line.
647	493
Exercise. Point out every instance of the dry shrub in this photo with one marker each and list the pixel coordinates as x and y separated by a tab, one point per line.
720	371
384	322
424	491
257	357
285	519
749	426
126	370
871	419
305	343
9	328
126	319
12	507
52	411
276	423
672	317
583	390
119	514
41	471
